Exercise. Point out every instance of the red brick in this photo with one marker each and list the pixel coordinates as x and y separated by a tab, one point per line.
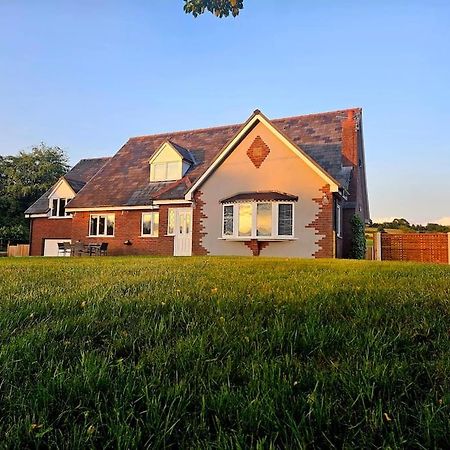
323	224
44	228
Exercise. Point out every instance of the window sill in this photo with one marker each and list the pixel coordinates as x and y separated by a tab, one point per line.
100	236
60	217
165	180
149	236
259	238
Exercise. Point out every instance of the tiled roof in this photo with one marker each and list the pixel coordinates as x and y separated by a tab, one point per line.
185	154
268	196
77	177
83	171
124	180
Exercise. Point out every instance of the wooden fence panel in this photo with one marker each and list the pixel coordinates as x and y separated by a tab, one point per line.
18	250
423	247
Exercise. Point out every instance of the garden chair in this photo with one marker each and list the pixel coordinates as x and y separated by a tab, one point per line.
103	250
78	249
67	249
64	249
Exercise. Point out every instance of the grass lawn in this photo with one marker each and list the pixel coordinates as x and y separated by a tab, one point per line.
223	353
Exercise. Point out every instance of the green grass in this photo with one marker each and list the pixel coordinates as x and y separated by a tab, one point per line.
223	353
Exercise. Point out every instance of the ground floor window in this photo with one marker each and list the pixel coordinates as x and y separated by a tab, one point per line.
171	221
258	219
101	225
150	224
338	220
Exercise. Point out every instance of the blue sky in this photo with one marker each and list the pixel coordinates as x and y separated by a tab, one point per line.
87	74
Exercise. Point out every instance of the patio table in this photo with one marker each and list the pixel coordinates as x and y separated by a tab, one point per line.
92	249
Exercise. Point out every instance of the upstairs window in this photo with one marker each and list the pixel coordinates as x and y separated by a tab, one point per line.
258	220
165	171
170	162
59	207
150	224
102	225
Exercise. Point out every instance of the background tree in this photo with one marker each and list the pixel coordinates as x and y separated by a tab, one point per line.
220	8
23	179
406	227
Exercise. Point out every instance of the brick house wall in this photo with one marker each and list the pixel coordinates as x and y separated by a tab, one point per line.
128	228
44	228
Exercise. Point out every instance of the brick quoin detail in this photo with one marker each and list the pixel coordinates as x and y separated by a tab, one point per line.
258	152
198	226
323	224
256	246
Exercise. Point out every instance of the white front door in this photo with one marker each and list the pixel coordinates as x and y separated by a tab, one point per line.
182	245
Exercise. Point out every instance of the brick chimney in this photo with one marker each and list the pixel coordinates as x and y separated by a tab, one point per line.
350	138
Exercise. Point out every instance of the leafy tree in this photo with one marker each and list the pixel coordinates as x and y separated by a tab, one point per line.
220	8
358	250
23	179
405	226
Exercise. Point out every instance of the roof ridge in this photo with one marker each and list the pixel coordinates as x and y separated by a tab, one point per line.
171	133
95	157
317	114
218	127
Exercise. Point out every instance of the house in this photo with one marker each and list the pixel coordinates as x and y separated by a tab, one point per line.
50	222
284	187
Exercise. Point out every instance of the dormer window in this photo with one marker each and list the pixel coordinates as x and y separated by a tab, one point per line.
58	208
166	171
170	162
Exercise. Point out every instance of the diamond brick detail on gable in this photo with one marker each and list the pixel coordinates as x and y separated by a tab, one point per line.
258	152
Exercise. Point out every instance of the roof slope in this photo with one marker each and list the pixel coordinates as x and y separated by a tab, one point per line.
83	171
124	180
77	178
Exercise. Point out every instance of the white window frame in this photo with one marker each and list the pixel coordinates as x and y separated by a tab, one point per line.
57	216
338	220
173	210
153	234
274	236
166	170
227	236
98	224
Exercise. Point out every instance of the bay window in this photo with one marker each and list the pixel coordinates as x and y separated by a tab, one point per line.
228	214
285	219
150	224
266	220
245	219
101	225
